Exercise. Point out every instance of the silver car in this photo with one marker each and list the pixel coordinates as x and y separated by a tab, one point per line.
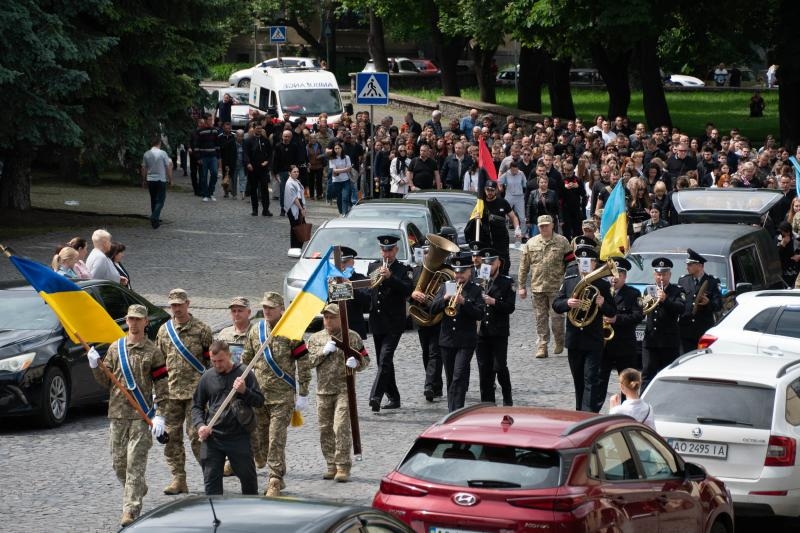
241	78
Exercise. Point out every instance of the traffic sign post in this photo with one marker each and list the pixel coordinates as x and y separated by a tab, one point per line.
277	36
372	88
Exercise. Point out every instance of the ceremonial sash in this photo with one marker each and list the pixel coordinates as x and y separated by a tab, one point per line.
130	382
182	349
262	335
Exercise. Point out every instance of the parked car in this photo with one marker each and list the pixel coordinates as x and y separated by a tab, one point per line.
240	111
42	373
427	214
738	415
487	468
241	78
507	77
458	204
426	66
397	65
257	514
585	77
682	80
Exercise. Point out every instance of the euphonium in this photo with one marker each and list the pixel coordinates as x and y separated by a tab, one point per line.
608	332
582	316
452	305
375	277
431	278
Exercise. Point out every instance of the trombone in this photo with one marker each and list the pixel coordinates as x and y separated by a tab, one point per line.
452	304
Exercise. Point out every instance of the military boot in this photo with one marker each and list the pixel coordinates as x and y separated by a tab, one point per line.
559	347
541	352
273	488
342	474
177	486
330	472
127	518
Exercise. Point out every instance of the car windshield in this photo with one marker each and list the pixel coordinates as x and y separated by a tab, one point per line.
393	212
363	240
693	401
754	201
311	101
641	272
25	310
481	465
239	97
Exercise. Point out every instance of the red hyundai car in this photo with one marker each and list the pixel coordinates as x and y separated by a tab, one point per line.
512	469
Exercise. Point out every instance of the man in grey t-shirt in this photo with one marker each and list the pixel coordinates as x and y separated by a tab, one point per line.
156	170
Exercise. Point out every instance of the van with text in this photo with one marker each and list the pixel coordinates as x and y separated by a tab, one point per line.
299	91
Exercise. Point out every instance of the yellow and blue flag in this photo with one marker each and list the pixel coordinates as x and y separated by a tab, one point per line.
309	302
83	318
614	224
796	165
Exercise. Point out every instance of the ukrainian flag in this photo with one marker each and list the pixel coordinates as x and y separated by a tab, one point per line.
83	318
614	224
309	302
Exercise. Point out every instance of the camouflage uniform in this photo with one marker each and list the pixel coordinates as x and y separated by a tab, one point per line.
274	417
183	379
129	435
335	437
545	261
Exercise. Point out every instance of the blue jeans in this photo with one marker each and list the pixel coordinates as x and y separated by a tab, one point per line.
239	181
341	191
284	177
354	193
158	195
208	175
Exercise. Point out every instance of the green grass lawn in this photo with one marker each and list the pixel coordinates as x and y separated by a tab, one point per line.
690	110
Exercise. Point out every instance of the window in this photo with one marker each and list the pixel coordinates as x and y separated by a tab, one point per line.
656	460
793	403
263	99
114	300
789	323
746	268
761	321
612	460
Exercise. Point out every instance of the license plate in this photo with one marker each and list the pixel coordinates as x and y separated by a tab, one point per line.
640	335
435	529
702	449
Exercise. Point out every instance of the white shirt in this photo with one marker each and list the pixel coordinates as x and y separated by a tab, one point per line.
638	409
101	267
471	181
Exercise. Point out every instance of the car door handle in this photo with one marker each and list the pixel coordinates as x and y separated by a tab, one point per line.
773	351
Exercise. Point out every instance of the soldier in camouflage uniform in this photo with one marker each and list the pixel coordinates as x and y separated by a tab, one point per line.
543	256
130	435
335	437
274	417
236	335
195	337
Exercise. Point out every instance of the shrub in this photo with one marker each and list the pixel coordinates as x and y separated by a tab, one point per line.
223	71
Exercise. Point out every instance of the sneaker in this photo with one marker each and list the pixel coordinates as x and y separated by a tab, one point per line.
283	213
213	198
206	199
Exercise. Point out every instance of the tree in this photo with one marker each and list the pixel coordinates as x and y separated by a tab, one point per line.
787	56
42	67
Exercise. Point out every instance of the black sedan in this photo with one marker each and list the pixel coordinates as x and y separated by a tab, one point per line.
42	372
255	513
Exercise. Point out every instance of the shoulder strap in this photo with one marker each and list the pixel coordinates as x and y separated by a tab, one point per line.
130	381
262	336
182	349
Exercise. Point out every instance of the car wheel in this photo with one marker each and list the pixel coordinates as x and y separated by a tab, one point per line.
719	527
55	398
244	82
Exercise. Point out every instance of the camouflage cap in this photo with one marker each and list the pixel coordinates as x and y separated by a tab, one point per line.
331	309
177	296
137	311
240	301
544	219
272	299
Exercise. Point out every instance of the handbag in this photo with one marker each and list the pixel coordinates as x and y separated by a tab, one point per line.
354	175
244	414
302	231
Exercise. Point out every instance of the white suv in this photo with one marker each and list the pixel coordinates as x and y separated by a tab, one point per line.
739	416
763	322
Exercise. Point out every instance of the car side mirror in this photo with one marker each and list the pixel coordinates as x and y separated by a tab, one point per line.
294	253
743	287
694	472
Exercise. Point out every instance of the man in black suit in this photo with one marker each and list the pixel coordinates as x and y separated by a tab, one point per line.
695	320
585	343
499	299
256	158
459	333
387	319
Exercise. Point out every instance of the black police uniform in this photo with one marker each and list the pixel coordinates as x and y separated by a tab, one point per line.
693	326
585	345
431	355
387	321
459	335
492	349
358	306
662	334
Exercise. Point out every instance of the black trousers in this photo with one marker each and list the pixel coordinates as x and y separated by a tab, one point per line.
385	345
431	357
315	183
293	241
585	368
492	356
654	359
194	169
614	360
456	362
257	185
236	448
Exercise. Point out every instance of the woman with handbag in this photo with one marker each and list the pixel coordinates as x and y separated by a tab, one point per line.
295	207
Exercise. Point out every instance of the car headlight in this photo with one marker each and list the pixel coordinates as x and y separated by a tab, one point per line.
296	283
18	363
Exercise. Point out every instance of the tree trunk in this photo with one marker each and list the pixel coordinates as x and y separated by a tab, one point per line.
376	44
614	70
15	181
787	55
448	50
303	33
656	111
331	42
482	58
530	78
561	104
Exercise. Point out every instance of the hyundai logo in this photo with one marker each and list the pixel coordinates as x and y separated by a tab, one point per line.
697	433
465	499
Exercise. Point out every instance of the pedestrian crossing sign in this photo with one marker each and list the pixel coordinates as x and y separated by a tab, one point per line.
277	34
372	88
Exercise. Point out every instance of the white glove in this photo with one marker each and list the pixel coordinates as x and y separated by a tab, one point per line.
301	403
159	425
351	362
330	347
517	232
94	358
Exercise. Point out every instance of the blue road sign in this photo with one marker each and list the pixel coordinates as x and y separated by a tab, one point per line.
277	34
372	88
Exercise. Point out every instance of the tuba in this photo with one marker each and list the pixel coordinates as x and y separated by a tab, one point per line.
582	316
431	278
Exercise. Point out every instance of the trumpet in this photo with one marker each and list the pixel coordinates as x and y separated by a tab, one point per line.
375	277
452	305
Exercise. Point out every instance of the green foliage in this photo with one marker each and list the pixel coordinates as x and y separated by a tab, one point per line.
223	71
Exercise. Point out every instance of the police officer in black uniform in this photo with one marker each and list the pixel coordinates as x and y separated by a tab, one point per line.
585	344
698	318
662	340
475	248
459	333
428	342
359	305
620	352
492	349
387	320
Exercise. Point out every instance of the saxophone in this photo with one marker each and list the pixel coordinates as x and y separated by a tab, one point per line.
582	316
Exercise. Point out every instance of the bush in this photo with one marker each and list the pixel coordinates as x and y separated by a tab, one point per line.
223	71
